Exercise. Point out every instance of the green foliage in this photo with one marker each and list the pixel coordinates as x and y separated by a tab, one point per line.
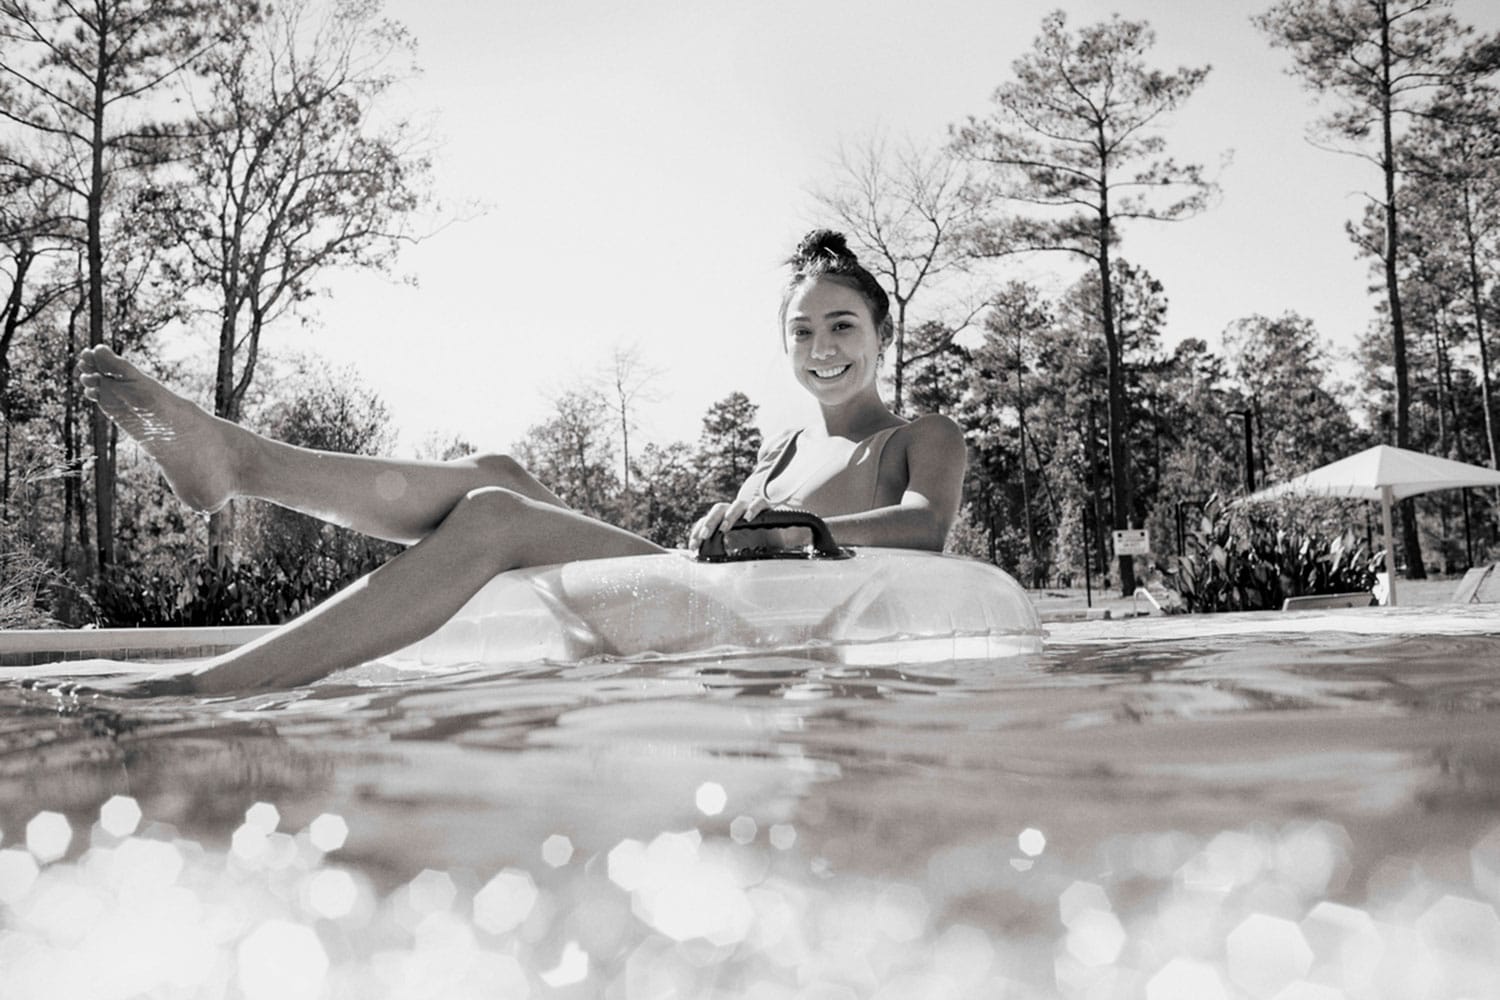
937	370
573	454
86	92
1371	60
166	592
1383	66
299	166
1242	561
667	495
727	447
1076	136
968	537
24	582
1083	114
1282	366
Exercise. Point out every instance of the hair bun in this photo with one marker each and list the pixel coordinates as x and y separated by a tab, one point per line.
823	244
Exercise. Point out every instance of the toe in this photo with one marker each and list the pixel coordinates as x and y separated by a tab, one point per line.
108	363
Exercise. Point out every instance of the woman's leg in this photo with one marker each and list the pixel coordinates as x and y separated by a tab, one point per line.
207	461
490	531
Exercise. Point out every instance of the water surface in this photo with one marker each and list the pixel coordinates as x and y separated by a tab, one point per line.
1190	808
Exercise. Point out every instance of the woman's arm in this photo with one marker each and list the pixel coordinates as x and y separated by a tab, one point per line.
935	460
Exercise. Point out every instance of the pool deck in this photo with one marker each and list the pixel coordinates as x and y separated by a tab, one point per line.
1069	616
30	647
1431	620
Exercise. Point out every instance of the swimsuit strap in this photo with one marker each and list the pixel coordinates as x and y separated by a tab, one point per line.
766	463
867	471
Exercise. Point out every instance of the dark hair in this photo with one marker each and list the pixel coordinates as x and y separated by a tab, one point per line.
824	253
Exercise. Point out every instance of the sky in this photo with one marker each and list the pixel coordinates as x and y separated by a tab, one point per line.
631	175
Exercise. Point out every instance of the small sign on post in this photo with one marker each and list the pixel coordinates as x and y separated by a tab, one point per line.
1132	542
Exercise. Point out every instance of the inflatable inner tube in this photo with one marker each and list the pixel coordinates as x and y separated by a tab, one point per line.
863	606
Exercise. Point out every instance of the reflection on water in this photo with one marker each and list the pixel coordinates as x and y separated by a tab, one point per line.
1304	817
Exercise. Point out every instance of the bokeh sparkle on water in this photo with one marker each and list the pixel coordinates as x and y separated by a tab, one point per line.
693	913
1313	819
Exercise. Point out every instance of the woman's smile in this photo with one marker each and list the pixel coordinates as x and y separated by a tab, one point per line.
827	374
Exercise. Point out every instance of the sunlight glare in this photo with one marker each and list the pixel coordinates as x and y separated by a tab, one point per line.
557	850
711	798
48	836
332	893
263	816
1095	938
281	960
1267	954
120	816
431	891
572	967
1032	841
901	912
1079	898
1186	979
505	901
328	832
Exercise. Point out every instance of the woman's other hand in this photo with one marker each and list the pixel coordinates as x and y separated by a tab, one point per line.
724	516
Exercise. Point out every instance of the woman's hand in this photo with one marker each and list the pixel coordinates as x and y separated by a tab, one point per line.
723	516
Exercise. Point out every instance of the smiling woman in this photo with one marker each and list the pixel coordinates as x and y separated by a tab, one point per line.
875	478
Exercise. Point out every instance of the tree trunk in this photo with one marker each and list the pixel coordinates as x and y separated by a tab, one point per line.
1091	456
1025	487
899	368
1411	541
221	535
12	313
1452	422
104	469
1476	302
1041	468
5	493
224	398
226	405
73	505
625	449
1119	458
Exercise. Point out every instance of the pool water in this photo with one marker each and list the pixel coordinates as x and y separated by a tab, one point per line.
1294	807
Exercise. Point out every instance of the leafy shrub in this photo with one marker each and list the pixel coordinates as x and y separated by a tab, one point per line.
35	593
24	582
1239	560
195	592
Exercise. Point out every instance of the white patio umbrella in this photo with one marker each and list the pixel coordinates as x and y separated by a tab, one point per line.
1386	474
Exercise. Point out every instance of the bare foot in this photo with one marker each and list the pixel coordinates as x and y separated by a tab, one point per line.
194	448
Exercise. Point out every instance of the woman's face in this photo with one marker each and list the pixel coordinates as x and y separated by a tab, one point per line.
832	341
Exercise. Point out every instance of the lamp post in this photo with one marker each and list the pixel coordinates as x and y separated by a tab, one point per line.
1249	449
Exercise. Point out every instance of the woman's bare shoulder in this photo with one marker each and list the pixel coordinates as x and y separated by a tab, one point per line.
931	430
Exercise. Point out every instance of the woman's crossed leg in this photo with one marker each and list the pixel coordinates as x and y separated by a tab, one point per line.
471	519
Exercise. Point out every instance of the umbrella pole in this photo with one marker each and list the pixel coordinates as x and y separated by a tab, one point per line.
1390	552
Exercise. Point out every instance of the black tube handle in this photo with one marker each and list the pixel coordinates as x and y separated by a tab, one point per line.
714	549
